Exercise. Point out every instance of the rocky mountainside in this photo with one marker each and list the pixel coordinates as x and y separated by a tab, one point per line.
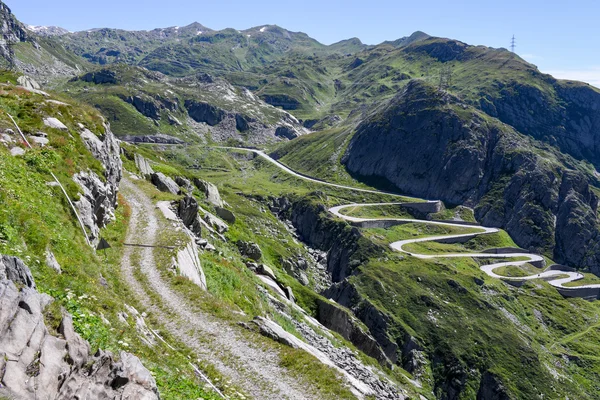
11	32
466	157
228	275
60	365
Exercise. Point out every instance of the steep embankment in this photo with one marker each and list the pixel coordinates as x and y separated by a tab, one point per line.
430	144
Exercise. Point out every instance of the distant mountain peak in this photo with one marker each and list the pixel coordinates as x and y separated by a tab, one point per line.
47	30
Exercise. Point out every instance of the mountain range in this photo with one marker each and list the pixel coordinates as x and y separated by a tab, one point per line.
243	143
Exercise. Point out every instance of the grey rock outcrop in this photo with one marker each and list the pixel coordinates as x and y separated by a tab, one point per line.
216	223
95	206
158	138
13	269
55	123
204	112
11	32
342	322
286	132
210	191
104	76
28	83
188	264
187	211
337	238
145	105
250	250
51	261
143	166
184	183
34	362
569	119
99	197
164	183
241	123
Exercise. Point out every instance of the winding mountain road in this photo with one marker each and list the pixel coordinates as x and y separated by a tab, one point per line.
557	277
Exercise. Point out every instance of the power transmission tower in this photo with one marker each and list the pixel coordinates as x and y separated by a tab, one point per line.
513	44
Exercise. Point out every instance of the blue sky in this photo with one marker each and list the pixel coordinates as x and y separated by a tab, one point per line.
560	37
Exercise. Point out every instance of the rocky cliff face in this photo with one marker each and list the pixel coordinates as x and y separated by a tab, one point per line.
568	116
99	195
11	32
430	144
341	241
34	362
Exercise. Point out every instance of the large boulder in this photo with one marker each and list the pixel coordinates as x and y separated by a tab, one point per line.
224	213
143	166
188	210
210	191
188	213
217	224
164	183
250	250
184	183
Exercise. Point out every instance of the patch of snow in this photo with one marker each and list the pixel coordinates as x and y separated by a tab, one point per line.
263	29
248	35
198	33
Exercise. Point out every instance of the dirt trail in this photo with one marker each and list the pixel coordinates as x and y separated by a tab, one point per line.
215	342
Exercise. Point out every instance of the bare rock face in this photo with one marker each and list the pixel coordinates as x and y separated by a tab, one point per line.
491	388
34	362
342	322
145	106
164	183
143	165
204	112
187	210
13	269
210	191
95	206
11	32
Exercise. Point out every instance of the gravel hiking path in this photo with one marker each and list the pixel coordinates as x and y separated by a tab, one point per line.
553	276
249	367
